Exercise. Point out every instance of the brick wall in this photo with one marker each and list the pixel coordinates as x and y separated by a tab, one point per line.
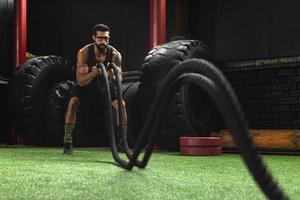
269	91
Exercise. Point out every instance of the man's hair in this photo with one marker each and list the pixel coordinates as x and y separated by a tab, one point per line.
100	27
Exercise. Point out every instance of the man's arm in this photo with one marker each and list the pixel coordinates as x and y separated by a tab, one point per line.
84	77
117	59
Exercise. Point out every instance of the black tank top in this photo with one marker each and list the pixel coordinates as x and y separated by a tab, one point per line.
92	61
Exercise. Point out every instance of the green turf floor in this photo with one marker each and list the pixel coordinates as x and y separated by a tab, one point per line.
45	173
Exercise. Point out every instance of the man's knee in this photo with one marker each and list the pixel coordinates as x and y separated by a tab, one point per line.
73	104
115	104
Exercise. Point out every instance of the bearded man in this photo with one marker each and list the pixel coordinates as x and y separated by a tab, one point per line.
87	73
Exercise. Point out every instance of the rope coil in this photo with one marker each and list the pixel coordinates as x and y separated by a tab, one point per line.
207	77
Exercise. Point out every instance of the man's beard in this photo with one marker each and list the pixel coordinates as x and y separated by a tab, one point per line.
101	48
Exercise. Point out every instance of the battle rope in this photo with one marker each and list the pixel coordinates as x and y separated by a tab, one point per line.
127	150
109	116
206	76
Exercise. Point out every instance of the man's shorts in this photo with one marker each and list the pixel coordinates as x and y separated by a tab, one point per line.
91	93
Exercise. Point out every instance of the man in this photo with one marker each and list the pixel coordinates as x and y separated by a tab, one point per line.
87	74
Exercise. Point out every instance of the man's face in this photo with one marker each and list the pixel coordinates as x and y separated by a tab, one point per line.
101	40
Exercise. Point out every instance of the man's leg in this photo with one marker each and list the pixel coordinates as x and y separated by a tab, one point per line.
115	105
119	137
70	120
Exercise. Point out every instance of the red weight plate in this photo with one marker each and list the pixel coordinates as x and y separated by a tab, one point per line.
201	151
200	141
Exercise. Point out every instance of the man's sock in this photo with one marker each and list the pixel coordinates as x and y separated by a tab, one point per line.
68	133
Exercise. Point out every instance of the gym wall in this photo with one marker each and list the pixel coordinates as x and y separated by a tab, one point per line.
261	39
242	30
269	91
62	27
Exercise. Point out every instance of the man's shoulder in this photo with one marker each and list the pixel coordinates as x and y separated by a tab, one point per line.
114	51
84	49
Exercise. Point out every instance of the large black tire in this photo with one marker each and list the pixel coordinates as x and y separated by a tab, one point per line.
5	126
7	37
55	113
180	118
31	84
133	112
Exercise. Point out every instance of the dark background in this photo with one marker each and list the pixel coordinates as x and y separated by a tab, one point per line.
241	30
62	27
6	37
234	30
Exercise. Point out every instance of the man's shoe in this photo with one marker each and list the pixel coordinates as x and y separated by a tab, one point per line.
68	148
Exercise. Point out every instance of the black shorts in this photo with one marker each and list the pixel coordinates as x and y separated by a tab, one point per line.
91	93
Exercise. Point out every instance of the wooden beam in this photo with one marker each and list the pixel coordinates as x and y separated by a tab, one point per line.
266	139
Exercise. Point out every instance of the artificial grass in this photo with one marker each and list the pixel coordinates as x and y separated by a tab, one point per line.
45	173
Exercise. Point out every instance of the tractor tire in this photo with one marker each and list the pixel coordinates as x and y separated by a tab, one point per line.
133	113
180	117
55	113
85	130
5	124
30	86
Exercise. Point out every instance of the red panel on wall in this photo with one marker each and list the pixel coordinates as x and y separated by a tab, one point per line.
20	31
157	22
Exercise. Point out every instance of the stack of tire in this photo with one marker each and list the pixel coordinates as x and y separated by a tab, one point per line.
29	94
191	112
39	96
6	58
89	128
4	120
129	91
41	88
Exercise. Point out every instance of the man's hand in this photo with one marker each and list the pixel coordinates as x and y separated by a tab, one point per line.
111	74
95	71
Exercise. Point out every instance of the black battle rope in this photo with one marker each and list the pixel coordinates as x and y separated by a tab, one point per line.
261	177
110	119
128	151
206	76
109	115
229	107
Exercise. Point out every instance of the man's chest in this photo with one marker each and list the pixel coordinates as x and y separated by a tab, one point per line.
101	59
